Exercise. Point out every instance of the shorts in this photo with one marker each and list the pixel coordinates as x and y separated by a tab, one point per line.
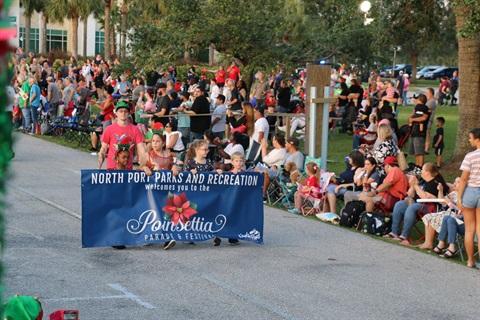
331	189
471	197
438	151
417	146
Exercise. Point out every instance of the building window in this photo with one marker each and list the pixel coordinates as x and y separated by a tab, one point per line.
34	39
99	42
56	40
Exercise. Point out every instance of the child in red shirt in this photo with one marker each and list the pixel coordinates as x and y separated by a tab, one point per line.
310	187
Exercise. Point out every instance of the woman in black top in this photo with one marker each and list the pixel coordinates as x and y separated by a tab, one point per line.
408	209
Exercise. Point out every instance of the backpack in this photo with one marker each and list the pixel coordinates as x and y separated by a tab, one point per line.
350	214
376	224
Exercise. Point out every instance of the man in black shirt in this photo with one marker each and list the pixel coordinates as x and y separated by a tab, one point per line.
418	122
199	124
162	102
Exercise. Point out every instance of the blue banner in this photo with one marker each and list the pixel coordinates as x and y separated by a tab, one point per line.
130	208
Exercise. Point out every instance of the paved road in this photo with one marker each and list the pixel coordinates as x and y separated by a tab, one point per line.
305	270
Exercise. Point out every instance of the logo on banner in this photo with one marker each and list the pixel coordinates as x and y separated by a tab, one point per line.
178	216
253	235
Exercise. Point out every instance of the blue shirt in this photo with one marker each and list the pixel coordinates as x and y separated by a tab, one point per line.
35	90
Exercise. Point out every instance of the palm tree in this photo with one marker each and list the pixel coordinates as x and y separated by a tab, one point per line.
469	73
29	7
123	27
58	10
106	28
94	7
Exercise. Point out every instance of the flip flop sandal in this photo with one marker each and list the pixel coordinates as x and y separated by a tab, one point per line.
438	250
390	236
448	254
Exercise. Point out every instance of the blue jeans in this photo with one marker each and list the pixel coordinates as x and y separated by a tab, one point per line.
34	115
185	135
27	118
195	135
407	213
331	189
450	228
405	98
356	141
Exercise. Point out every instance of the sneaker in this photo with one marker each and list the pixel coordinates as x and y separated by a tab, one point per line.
294	211
169	244
119	247
217	241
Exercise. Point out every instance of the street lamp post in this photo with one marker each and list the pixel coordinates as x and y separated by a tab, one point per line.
365	7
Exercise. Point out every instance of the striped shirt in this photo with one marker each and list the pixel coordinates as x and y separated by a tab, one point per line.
471	163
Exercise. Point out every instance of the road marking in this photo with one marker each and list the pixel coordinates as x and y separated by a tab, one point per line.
249	298
84	298
50	203
130	295
39	238
77	172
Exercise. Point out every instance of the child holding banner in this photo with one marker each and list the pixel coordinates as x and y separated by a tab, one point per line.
159	158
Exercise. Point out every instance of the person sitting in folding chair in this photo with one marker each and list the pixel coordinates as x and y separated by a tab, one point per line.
433	221
345	181
394	188
408	209
310	188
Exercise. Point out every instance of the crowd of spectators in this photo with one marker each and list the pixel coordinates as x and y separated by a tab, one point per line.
211	121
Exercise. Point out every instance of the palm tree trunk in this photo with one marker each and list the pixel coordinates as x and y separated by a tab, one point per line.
75	36
26	39
123	31
113	48
186	55
211	54
85	36
43	44
413	60
469	95
106	29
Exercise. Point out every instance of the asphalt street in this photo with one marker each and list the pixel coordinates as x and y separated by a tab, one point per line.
305	270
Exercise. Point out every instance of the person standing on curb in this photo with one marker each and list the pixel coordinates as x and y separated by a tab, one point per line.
469	195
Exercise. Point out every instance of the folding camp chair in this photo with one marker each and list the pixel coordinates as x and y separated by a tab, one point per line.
253	154
429	206
274	191
460	242
315	202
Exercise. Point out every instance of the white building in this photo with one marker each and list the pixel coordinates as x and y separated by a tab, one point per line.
58	34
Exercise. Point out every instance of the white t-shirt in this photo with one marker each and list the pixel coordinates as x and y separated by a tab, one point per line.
233	148
178	144
261	125
276	157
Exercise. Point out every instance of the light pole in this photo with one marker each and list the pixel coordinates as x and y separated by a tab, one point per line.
365	7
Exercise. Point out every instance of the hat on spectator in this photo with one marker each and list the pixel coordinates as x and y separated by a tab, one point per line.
293	141
384	121
122	104
390	160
